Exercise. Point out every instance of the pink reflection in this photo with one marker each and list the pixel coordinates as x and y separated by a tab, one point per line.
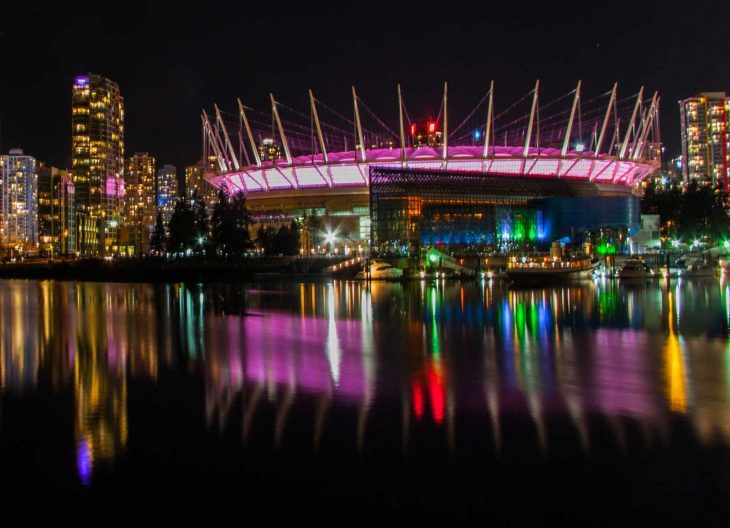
290	350
621	373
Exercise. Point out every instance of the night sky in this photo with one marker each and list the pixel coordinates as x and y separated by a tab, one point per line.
171	62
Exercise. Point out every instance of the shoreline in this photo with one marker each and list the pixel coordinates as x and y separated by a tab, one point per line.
165	270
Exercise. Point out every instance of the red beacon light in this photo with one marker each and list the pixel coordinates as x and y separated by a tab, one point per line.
413	130
431	127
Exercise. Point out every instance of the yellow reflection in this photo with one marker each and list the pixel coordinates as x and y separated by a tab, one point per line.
674	366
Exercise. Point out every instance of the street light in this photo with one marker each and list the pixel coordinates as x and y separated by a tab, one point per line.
330	238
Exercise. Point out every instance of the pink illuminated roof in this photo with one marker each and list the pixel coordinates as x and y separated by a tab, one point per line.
346	169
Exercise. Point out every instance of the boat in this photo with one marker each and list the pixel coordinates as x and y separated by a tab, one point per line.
539	269
698	268
380	270
635	268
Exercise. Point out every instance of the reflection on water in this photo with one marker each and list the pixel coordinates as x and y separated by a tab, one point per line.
432	353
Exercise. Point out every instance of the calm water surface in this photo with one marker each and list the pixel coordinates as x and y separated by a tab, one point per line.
444	403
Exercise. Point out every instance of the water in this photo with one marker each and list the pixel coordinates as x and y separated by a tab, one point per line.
442	403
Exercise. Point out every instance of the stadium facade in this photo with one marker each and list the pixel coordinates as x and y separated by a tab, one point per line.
532	173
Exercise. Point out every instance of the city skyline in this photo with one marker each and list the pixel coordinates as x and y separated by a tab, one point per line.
163	94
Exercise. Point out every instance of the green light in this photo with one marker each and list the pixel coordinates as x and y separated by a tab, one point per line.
605	248
533	319
520	320
433	258
519	232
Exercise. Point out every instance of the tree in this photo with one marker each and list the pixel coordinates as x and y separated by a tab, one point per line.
282	241
241	220
202	230
308	226
181	228
230	223
696	211
159	237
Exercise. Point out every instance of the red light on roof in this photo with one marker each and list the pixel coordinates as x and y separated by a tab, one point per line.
431	127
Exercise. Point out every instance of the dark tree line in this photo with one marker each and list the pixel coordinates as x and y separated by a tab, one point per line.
190	231
282	241
696	211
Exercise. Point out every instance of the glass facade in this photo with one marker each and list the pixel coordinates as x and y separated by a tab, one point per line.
705	138
18	203
139	201
412	208
97	162
167	191
195	183
56	215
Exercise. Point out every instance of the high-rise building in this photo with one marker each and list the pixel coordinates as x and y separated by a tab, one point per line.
195	183
139	202
167	191
18	203
97	163
56	214
705	138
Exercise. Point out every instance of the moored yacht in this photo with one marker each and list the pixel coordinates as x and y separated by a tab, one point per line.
380	270
698	268
635	268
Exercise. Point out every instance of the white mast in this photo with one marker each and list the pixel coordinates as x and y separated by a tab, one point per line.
215	143
647	126
532	119
319	129
566	142
611	102
284	144
255	150
446	123
625	144
228	143
488	129
400	116
358	124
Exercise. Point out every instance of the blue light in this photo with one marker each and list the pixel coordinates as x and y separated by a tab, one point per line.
477	134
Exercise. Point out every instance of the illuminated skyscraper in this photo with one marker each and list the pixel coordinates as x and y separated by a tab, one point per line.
705	138
139	201
56	215
195	183
97	162
19	203
167	191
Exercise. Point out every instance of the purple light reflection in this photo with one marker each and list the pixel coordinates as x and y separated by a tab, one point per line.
621	373
84	462
284	349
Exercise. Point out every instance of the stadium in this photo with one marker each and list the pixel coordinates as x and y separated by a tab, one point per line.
528	172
